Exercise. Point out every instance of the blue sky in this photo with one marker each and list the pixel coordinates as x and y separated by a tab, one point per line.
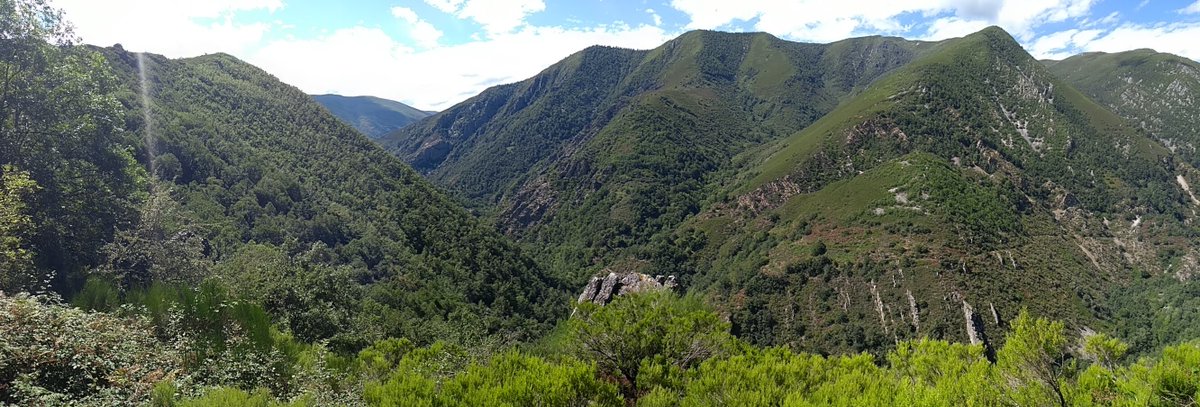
434	53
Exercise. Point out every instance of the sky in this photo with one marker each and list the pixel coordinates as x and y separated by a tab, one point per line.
432	54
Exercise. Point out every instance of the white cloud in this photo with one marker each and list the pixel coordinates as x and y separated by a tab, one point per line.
1192	9
421	31
496	16
170	28
654	15
1061	44
447	6
366	61
952	27
1179	39
817	20
1109	20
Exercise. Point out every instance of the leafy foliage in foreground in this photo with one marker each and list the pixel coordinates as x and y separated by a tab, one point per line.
1041	364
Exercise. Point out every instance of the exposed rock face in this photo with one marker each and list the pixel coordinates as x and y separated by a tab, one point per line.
975	331
601	290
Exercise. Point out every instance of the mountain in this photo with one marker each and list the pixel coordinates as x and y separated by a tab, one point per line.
608	147
972	174
181	231
372	116
828	196
1156	91
242	179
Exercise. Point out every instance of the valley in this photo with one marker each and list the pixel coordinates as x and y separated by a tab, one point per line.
869	221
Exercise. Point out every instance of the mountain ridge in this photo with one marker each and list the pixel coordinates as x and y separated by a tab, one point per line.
373	116
705	170
292	181
1154	90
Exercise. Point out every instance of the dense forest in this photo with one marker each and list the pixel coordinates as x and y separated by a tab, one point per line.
193	232
928	174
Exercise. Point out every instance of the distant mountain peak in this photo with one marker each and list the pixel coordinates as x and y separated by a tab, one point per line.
371	115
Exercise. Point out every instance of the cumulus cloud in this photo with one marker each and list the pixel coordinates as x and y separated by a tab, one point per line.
366	61
951	27
194	26
496	16
421	31
1061	44
816	20
654	15
447	6
1192	9
1179	39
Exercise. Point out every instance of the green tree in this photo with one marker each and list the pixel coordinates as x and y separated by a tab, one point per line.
16	262
1103	349
165	246
60	121
1035	362
656	332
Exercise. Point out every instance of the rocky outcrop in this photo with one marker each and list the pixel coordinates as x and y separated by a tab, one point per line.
601	290
975	332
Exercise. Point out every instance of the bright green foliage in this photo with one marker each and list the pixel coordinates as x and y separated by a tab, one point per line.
655	333
16	262
512	379
1103	349
378	360
937	373
103	359
1034	360
225	396
438	376
1175	379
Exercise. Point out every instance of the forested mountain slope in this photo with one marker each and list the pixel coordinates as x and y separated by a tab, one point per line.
193	232
972	175
601	151
253	184
1156	91
372	116
832	197
259	161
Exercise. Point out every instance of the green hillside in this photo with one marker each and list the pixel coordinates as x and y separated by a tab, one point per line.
649	134
1155	91
374	117
233	177
874	221
928	174
300	182
971	174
